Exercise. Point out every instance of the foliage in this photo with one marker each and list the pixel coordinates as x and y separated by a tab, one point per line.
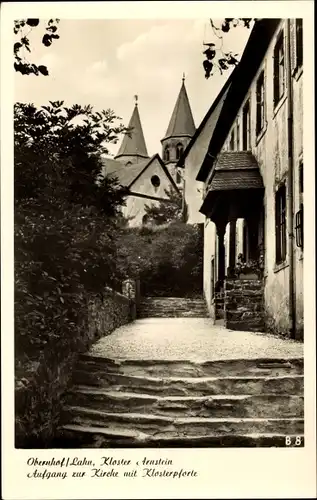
59	149
22	29
243	267
217	58
65	229
166	258
166	211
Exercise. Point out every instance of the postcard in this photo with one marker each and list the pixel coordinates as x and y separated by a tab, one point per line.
158	314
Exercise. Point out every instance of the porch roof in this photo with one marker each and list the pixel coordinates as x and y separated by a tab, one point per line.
236	175
236	170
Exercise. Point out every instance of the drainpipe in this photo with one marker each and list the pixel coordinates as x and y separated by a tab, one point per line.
292	317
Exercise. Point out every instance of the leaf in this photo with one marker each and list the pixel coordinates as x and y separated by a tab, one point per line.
47	40
32	22
16	47
225	27
43	70
35	69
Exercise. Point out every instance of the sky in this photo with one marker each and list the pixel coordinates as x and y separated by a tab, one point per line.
106	62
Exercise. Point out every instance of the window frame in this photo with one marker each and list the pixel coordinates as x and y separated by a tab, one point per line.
279	79
280	224
178	177
299	217
246	125
167	155
260	103
298	43
179	150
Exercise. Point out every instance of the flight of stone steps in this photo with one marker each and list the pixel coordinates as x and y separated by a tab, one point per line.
230	403
172	307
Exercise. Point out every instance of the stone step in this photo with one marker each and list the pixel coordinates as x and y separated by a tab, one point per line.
172	299
172	307
73	435
166	368
169	427
220	406
175	313
190	386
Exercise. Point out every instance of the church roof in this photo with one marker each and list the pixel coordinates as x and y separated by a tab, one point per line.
181	122
218	102
127	175
133	143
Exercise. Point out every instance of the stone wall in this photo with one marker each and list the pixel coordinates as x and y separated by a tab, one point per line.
244	305
38	395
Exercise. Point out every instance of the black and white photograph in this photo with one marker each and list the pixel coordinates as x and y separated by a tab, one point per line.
158	235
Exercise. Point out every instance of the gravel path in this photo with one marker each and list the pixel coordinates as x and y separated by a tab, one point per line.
195	339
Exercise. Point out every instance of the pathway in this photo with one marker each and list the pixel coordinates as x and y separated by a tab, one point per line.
190	339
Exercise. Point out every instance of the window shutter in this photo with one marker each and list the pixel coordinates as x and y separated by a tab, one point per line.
292	42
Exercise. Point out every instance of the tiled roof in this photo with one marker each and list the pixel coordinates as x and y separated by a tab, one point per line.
246	179
124	173
236	170
181	122
133	144
232	160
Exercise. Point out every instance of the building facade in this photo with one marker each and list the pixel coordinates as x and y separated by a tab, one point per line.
253	176
148	180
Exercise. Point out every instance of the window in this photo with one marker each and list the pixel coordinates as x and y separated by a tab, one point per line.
238	136
299	217
166	154
299	227
246	140
279	69
280	225
299	42
231	144
178	177
260	103
145	219
179	151
155	180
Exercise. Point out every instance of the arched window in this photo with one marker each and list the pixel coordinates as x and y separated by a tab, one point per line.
166	154
128	163
179	151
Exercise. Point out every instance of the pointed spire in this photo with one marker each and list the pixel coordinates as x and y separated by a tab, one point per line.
133	145
181	122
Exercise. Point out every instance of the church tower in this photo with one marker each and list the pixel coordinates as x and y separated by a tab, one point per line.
133	147
179	132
